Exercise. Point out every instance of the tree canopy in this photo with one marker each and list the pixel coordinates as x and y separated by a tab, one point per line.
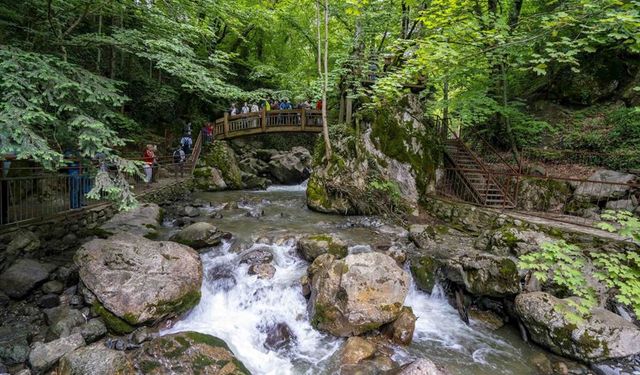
92	75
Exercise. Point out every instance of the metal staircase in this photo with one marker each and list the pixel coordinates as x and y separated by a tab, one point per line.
469	178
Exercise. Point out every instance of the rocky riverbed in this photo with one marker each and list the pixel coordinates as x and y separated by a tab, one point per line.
254	282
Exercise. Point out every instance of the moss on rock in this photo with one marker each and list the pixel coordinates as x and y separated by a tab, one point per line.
114	324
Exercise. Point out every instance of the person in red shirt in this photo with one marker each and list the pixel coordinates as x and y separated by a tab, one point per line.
319	104
208	133
148	157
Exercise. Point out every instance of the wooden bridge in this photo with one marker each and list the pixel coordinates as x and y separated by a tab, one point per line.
276	121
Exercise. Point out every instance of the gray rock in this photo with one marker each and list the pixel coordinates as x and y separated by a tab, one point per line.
604	335
23	276
140	280
91	331
400	331
200	235
337	287
48	301
14	347
53	286
482	274
421	366
263	271
596	191
356	350
142	220
62	320
288	169
623	204
279	336
95	359
23	242
312	246
141	335
43	356
190	211
257	256
183	353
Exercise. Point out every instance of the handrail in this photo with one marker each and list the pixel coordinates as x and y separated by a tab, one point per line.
287	120
488	175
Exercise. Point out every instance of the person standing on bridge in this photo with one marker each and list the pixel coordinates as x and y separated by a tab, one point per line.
256	120
233	110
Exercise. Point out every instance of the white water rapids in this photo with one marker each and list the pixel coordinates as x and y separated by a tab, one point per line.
238	308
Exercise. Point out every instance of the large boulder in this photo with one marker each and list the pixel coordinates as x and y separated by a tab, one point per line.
312	246
356	294
199	235
23	244
43	356
220	156
603	335
143	220
23	276
209	179
187	353
288	169
597	191
95	359
140	280
482	274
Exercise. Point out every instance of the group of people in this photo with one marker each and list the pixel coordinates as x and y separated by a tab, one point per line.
271	104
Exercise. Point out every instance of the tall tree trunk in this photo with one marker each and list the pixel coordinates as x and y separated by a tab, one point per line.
445	110
99	57
507	122
325	87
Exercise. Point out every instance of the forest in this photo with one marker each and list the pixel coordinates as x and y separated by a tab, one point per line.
481	155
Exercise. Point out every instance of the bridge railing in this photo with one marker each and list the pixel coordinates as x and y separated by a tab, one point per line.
265	121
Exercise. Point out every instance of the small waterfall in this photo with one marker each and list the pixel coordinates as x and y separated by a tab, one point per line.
300	187
238	308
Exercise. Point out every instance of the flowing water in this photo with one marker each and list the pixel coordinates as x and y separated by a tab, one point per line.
239	308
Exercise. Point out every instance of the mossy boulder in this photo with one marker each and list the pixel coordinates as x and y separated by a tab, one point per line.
138	280
424	270
200	235
311	247
356	294
187	353
220	155
603	335
482	274
95	359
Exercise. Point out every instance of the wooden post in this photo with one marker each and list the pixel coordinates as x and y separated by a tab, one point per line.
263	120
226	124
303	120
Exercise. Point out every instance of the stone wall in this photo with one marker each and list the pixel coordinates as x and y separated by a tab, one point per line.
62	231
476	220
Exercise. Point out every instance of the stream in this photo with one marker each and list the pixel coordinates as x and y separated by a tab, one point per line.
238	307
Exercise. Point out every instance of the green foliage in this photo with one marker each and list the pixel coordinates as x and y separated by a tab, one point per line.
567	265
563	264
622	222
